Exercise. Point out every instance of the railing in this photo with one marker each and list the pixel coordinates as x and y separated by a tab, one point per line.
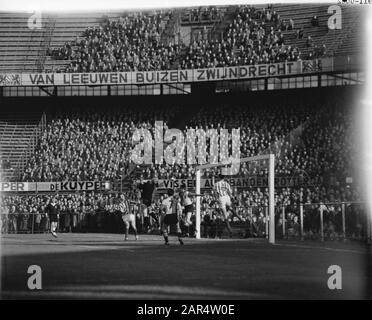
3	132
43	121
317	221
345	35
3	157
186	36
34	32
345	221
212	34
97	222
171	29
104	220
20	164
11	138
29	149
47	36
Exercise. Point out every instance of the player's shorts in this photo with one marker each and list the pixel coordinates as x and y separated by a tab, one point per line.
189	208
170	219
224	202
188	221
129	218
53	218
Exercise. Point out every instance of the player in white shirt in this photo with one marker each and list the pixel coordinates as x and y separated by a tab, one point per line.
188	208
127	215
172	211
223	193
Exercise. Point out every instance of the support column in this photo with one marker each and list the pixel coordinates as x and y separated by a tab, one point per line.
343	221
197	217
302	221
321	223
283	220
271	199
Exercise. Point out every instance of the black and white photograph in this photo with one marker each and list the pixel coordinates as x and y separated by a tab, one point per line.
204	151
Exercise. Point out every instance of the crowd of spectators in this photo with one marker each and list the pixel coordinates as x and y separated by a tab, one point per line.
126	44
310	140
254	37
133	42
90	145
203	14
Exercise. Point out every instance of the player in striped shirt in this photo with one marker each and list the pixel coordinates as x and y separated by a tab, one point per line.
127	215
172	211
223	193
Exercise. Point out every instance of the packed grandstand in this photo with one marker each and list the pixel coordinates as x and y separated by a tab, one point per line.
311	132
176	38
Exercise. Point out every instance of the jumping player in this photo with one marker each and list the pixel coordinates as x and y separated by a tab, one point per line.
187	204
223	194
147	189
172	211
128	216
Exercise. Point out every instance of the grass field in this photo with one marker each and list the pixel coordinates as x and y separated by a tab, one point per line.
104	266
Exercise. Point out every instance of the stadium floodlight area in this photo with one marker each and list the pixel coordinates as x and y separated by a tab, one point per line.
270	160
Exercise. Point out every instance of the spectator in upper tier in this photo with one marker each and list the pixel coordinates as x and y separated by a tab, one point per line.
247	41
309	42
291	25
315	21
126	44
300	33
133	42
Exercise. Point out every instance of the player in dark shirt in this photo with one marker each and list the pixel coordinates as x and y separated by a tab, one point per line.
53	214
147	189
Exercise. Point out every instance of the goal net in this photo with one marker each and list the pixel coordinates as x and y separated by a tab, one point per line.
252	182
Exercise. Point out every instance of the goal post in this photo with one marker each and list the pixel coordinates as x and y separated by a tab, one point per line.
271	187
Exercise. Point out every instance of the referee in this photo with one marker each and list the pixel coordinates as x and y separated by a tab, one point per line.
53	214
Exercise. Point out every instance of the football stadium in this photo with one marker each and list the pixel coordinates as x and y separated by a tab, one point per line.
207	152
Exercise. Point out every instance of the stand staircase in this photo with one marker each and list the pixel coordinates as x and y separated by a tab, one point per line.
18	139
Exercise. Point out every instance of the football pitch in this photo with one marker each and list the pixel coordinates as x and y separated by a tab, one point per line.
104	266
